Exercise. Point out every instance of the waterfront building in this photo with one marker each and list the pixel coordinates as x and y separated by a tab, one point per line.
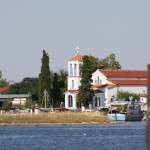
16	99
105	83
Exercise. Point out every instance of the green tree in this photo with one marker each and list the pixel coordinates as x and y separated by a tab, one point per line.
59	86
125	95
7	105
44	77
3	82
56	91
62	83
94	61
110	62
86	93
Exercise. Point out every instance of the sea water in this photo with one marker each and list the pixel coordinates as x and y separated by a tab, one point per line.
126	136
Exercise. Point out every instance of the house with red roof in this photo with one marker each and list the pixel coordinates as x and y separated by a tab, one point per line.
106	83
111	81
6	87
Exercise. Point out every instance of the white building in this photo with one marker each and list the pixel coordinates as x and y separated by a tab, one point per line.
106	83
74	77
143	101
111	81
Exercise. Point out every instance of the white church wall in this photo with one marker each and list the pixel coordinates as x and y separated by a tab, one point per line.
143	99
112	92
67	101
102	100
138	89
102	78
76	81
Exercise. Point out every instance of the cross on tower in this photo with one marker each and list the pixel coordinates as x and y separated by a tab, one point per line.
77	50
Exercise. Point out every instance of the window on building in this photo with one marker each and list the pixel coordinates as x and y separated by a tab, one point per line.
97	80
100	81
75	69
71	71
72	84
80	74
70	101
96	101
99	101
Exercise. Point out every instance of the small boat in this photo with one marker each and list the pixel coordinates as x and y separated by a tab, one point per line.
133	113
116	117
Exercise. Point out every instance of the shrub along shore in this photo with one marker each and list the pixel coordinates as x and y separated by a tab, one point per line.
54	118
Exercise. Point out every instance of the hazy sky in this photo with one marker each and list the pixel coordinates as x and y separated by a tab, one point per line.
98	27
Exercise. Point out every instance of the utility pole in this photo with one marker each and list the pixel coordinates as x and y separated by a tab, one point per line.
46	99
147	140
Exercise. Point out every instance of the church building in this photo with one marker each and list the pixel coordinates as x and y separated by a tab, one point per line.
105	83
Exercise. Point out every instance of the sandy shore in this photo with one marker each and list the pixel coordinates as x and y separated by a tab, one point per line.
55	124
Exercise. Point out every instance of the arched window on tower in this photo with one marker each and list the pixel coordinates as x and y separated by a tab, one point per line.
71	71
75	69
70	101
72	84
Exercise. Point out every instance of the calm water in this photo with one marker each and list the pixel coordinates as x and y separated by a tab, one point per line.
126	136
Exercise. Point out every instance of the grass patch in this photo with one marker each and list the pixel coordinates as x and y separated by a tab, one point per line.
56	117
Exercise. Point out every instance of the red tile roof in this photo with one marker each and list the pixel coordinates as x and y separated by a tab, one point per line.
128	81
72	91
78	57
143	95
6	87
102	85
124	73
3	88
98	91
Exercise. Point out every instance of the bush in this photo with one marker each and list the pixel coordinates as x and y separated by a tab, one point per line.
125	95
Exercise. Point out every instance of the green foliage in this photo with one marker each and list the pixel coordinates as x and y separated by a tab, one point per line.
44	77
94	63
86	93
106	63
3	82
29	104
62	82
110	62
125	95
7	105
28	85
55	91
59	87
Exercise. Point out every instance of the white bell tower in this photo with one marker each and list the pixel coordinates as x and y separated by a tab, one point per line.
74	71
74	77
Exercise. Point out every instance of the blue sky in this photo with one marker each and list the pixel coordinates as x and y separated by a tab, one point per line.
98	27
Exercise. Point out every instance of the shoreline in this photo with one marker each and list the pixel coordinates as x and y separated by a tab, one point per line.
56	124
